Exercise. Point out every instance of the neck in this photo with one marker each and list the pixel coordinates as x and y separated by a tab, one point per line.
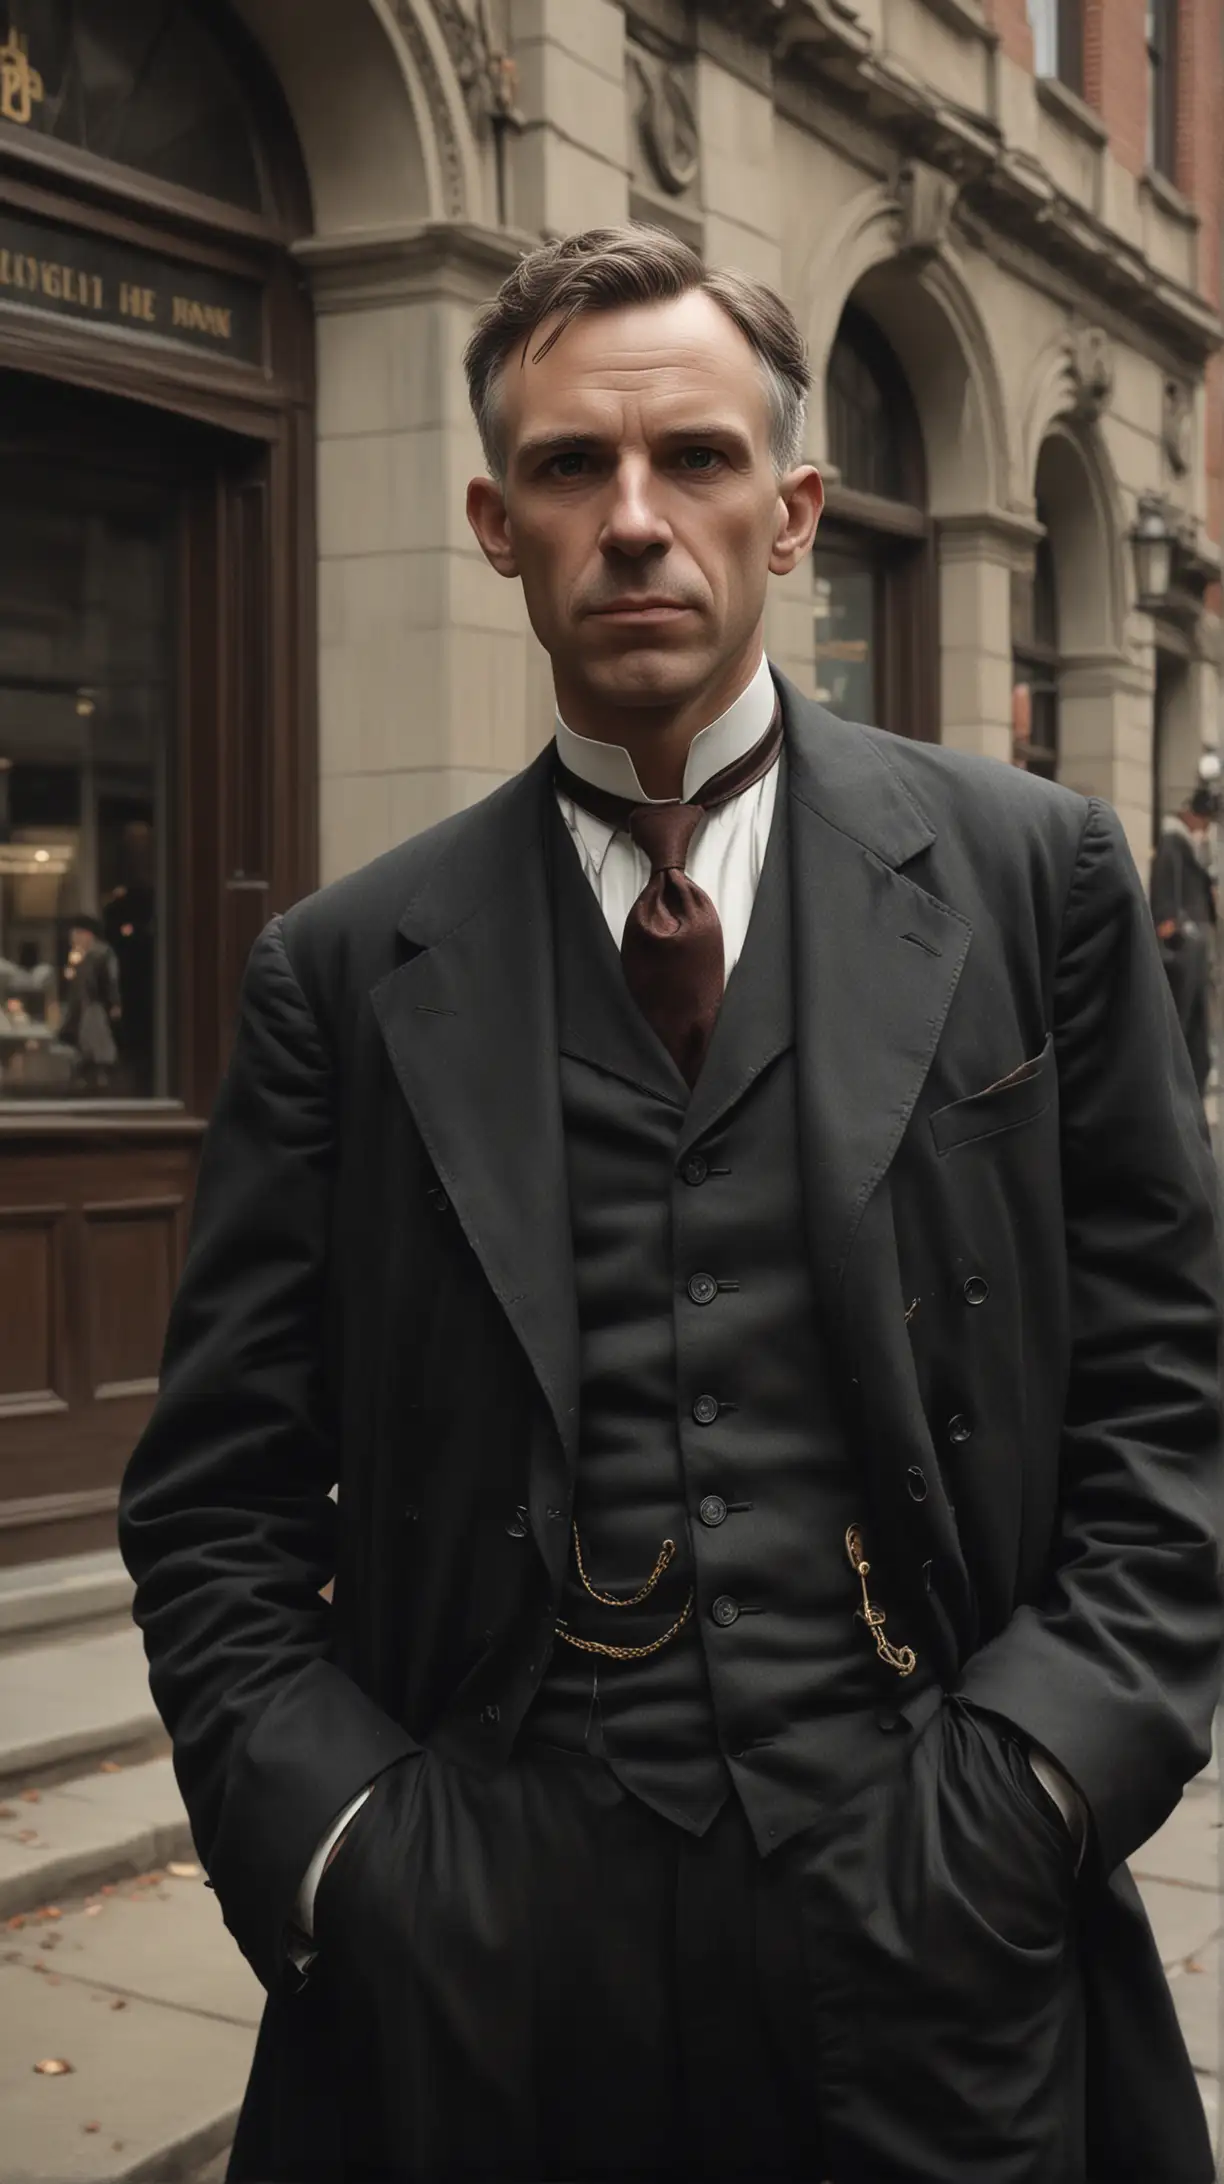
658	738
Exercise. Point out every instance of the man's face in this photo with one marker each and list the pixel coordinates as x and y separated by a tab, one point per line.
641	507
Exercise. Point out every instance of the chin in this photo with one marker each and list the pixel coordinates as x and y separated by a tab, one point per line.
647	674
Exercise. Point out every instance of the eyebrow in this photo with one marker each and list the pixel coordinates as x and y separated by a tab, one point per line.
568	443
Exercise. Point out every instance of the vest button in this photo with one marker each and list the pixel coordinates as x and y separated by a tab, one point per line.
705	1409
959	1429
713	1509
916	1482
702	1288
490	1715
976	1290
725	1610
695	1169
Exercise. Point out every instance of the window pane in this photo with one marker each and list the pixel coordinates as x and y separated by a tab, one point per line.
847	678
864	435
85	720
142	83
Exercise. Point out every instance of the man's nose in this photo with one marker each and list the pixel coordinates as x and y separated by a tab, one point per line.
634	524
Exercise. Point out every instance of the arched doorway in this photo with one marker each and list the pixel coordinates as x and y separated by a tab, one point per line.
157	764
876	643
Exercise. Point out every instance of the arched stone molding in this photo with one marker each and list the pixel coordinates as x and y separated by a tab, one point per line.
1105	702
921	299
1072	378
381	116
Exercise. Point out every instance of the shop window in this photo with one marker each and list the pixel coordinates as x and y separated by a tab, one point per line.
141	83
1035	665
85	752
1162	86
873	576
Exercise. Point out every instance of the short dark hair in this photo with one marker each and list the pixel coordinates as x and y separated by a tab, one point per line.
1205	802
605	269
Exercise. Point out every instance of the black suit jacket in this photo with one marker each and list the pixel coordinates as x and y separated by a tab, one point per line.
379	1292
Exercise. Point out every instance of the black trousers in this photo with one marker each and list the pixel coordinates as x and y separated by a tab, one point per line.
533	1976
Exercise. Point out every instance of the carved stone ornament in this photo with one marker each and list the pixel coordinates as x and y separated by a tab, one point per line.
928	200
757	20
667	124
1091	364
488	76
1177	426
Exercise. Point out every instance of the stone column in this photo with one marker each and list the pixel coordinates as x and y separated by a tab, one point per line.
423	660
977	556
569	165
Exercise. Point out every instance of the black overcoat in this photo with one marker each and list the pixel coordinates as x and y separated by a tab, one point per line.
379	1293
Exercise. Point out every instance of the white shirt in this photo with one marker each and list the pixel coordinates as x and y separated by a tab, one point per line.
728	846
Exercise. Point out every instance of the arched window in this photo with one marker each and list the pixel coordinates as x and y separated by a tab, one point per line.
1035	664
872	566
142	85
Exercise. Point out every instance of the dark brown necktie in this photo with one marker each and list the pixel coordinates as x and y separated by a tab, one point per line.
672	951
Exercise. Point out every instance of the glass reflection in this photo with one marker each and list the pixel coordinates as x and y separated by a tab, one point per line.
84	740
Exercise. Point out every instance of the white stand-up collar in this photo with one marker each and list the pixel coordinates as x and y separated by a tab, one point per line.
608	766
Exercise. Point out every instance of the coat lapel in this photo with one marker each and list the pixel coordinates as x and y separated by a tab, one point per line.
470	1025
877	962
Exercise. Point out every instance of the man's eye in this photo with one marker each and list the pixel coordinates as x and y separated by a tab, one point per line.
568	465
698	459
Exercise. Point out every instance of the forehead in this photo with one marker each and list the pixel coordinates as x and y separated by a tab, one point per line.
664	356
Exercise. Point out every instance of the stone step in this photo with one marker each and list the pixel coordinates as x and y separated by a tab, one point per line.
41	1600
66	1705
94	1828
144	1994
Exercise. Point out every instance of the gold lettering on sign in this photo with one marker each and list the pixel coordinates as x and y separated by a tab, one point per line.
21	87
58	283
204	318
138	303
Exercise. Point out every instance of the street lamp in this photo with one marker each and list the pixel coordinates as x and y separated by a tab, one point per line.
1152	542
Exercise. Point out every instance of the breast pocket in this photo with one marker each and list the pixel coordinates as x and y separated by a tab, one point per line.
1005	1106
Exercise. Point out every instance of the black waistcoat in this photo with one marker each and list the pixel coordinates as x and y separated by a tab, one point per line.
706	1415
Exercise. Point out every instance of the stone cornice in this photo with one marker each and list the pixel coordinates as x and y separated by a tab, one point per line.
452	260
999	187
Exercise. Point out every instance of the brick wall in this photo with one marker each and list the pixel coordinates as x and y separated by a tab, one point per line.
1116	75
1010	19
1200	174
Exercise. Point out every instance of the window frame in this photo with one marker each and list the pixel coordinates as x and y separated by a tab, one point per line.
1162	45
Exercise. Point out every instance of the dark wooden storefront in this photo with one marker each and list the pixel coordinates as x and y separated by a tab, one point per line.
157	760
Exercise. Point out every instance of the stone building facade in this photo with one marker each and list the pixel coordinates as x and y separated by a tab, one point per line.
1011	275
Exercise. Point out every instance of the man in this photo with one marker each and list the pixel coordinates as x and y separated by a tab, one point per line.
775	1416
1184	912
94	1006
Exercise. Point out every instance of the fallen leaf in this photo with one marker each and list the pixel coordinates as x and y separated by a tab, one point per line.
27	1835
7	1812
92	1910
108	1888
32	1797
109	1766
50	1911
91	2127
116	2146
14	1923
54	2067
50	1941
182	1871
1192	1965
119	2003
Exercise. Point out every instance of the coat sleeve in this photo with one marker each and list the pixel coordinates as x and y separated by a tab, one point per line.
1114	1668
1165	884
225	1516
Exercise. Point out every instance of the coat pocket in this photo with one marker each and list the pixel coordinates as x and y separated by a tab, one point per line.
1005	1106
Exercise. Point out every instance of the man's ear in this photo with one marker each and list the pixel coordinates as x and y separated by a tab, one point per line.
800	501
486	512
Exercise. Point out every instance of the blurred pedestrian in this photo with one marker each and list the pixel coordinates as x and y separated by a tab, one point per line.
732	1215
94	1003
1183	898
